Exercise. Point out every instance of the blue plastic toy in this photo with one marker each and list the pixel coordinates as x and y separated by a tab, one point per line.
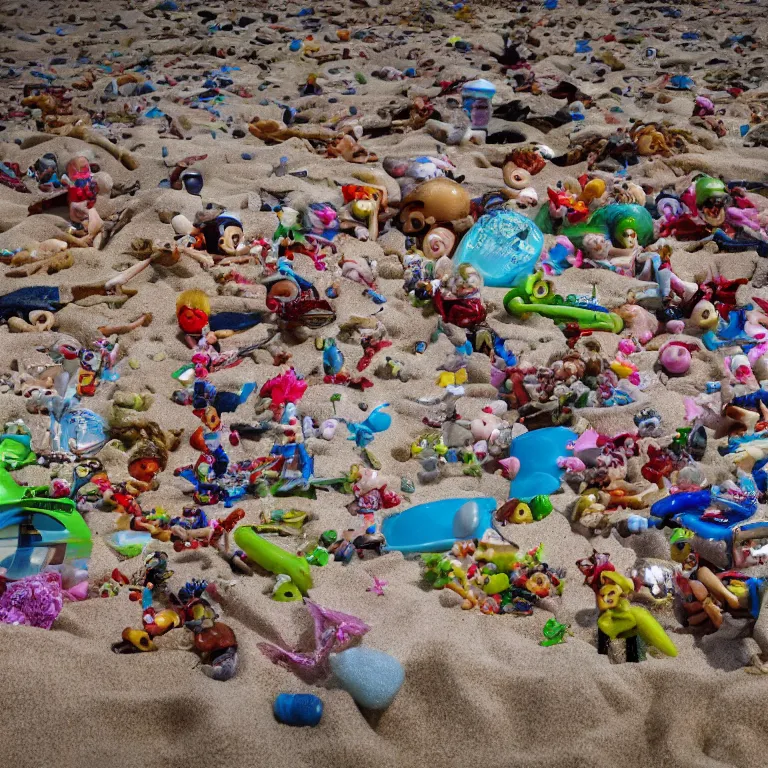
538	452
37	531
363	432
298	709
709	513
437	525
503	246
333	358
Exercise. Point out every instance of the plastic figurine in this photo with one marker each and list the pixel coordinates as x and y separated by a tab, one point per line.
280	391
476	101
295	301
620	619
457	299
193	310
519	168
364	432
363	205
554	633
147	460
212	639
410	173
371	496
521	512
81	191
322	220
378	586
494	576
613	231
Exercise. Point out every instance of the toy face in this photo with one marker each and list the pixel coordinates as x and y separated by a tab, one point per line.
369	479
597	245
211	419
230	241
144	469
680	551
705	315
78	168
608	597
192	321
223	235
538	583
627	238
542	292
89	360
713	211
281	292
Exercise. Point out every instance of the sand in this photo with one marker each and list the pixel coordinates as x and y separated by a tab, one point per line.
478	689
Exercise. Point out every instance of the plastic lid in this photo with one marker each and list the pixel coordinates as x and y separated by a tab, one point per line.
479	86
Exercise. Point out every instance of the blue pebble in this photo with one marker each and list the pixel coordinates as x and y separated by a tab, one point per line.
247	156
353	110
164	151
332	100
295	45
298	709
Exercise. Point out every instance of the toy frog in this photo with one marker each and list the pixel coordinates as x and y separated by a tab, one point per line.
554	633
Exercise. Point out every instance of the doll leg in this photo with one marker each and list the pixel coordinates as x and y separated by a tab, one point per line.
603	642
633	649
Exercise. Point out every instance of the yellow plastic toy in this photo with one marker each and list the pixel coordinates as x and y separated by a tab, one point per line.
620	619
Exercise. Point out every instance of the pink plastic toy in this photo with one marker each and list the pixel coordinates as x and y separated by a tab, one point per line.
675	356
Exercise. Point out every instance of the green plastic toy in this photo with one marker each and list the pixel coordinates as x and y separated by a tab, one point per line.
535	295
37	531
554	633
273	558
16	450
615	222
286	591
